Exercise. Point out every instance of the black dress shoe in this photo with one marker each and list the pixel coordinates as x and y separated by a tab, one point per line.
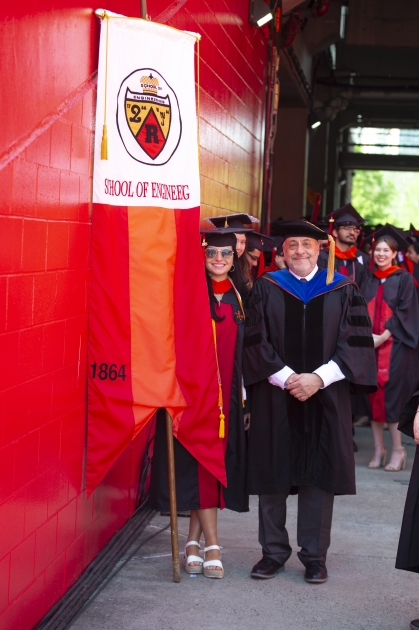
414	625
315	573
266	568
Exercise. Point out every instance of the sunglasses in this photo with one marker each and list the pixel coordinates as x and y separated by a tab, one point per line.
211	252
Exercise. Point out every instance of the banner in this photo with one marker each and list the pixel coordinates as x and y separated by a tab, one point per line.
146	97
150	339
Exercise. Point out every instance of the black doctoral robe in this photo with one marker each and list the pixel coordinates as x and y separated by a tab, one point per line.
193	485
397	358
354	268
293	443
408	551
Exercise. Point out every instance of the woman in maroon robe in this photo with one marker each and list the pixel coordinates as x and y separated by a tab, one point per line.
196	488
393	307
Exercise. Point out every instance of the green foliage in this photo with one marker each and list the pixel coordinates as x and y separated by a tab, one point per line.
387	196
373	196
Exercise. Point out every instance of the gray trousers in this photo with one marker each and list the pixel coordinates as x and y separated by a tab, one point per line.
315	509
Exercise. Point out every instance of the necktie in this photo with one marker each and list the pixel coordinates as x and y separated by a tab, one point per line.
303	279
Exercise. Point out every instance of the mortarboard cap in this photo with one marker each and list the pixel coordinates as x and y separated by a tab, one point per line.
278	240
222	237
347	215
392	232
237	221
287	229
255	240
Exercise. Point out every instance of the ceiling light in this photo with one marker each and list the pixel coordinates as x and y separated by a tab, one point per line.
259	13
316	124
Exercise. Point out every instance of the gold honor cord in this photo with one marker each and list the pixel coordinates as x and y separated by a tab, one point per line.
104	145
221	430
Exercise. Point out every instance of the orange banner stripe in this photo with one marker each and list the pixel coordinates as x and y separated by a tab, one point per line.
152	255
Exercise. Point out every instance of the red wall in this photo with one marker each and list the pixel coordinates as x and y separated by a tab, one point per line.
50	532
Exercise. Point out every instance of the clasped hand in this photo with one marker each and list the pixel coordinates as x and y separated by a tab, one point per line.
303	386
380	339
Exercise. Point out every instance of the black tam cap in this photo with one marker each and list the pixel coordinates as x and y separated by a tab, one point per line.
219	238
301	228
347	215
392	232
237	221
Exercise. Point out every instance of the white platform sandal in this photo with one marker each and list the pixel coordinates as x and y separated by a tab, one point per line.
187	559
213	573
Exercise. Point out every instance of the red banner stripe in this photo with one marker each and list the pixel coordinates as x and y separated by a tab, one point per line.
197	428
111	418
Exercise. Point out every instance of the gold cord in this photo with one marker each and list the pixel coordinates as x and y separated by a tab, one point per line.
221	430
104	145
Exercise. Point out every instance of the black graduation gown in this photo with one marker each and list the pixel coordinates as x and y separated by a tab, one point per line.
354	268
398	368
408	550
190	480
293	443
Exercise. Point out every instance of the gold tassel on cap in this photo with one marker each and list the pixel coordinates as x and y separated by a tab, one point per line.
331	261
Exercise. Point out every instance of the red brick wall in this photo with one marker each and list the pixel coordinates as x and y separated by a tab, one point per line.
50	532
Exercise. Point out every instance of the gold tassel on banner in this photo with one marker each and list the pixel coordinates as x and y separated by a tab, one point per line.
104	145
331	261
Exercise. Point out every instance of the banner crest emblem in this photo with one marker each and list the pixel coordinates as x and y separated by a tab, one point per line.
148	117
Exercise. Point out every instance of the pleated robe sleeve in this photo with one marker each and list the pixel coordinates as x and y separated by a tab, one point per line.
260	358
404	324
354	350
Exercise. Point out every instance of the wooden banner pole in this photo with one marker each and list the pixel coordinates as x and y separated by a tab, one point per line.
172	498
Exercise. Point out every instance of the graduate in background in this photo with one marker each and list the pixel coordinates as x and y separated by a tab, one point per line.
308	341
196	488
393	307
241	222
349	260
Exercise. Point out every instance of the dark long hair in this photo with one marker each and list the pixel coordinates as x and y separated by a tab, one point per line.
239	281
240	276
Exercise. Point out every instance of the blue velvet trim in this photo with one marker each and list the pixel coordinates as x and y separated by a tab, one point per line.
305	291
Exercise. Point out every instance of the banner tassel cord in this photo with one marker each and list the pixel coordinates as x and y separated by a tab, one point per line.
104	144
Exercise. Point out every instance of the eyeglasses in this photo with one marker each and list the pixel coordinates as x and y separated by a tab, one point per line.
211	252
254	258
350	228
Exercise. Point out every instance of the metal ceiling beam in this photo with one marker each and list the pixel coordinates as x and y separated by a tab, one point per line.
374	162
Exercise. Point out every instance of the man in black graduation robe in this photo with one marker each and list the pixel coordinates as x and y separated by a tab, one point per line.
308	343
349	260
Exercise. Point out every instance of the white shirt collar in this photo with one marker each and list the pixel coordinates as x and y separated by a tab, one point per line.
309	277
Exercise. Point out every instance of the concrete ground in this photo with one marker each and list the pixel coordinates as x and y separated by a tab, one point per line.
364	591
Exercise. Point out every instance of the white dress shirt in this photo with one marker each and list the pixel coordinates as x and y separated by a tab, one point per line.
329	372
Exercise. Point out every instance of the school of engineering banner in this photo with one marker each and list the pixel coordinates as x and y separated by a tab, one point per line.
150	339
